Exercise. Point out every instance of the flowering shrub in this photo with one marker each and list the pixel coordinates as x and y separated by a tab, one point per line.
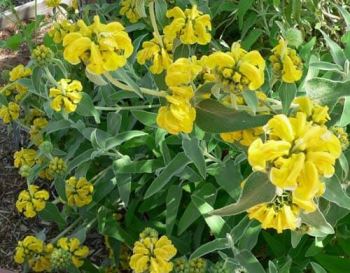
189	146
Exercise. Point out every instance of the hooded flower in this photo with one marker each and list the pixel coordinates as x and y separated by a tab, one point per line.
32	201
159	54
35	252
238	69
66	95
128	9
20	72
182	72
152	255
78	191
286	63
10	112
244	137
61	29
102	47
190	26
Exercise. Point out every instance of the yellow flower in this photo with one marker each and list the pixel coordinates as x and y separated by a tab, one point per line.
10	112
152	255
25	157
197	265
128	9
57	166
102	47
66	95
286	63
280	214
61	29
159	56
19	72
35	252
78	191
244	137
35	130
78	252
238	69
190	26
31	201
182	72
52	3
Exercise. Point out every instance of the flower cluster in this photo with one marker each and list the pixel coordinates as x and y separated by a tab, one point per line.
152	254
191	26
57	166
32	201
179	115
52	3
286	64
102	47
299	150
66	95
42	55
237	70
78	191
244	137
34	252
25	157
19	72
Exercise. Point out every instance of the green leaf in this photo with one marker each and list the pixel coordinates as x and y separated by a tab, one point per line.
333	264
325	91
230	179
191	213
257	189
251	38
193	152
325	66
248	261
175	166
160	10
335	193
102	188
214	117
172	206
125	165
124	187
80	159
146	118
96	79
86	108
320	227
317	268
243	7
113	122
51	214
335	50
346	16
250	236
251	99
287	92
60	186
115	141
212	246
272	268
13	42
345	116
216	223
55	126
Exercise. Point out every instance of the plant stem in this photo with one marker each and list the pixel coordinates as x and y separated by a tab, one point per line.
146	91
68	229
154	23
120	108
49	76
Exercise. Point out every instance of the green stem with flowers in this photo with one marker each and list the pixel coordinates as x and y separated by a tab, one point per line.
154	23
